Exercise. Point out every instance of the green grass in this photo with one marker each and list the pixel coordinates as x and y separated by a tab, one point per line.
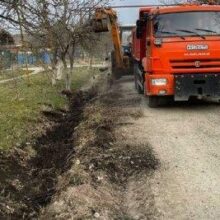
20	105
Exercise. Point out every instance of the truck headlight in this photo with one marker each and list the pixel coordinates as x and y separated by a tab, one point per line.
159	82
158	41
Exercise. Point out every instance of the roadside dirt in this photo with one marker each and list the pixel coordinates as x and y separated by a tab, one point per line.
185	138
112	157
77	169
29	174
108	176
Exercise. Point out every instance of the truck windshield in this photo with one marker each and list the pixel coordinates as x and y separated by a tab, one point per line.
187	24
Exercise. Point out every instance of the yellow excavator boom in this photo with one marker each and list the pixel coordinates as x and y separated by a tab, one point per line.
106	19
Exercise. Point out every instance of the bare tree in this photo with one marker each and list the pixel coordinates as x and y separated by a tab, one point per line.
57	25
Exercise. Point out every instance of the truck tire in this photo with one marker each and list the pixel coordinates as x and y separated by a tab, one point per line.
135	81
140	90
136	76
156	101
153	101
137	86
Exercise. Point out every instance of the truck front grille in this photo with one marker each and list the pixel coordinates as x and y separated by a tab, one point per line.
195	64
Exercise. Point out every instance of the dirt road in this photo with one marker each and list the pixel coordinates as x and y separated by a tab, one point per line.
36	70
186	140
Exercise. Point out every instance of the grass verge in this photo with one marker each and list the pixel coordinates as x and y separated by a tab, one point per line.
22	101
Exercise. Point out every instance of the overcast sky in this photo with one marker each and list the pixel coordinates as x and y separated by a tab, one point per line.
129	16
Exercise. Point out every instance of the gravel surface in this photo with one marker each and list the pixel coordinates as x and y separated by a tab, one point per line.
186	140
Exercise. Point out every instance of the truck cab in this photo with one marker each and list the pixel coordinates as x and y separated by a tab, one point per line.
176	52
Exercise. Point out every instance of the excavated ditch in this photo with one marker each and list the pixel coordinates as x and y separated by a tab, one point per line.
109	177
78	169
28	175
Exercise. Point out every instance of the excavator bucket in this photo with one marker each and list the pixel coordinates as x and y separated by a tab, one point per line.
100	25
104	20
100	22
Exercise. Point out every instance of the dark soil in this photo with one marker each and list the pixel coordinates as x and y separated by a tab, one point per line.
103	167
123	162
28	175
77	169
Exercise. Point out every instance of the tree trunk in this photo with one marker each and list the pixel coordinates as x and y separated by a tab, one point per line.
67	79
60	70
54	68
72	60
67	73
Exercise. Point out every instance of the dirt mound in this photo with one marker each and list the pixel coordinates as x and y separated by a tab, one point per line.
102	169
123	162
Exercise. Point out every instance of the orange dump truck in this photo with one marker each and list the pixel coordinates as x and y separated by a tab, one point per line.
176	52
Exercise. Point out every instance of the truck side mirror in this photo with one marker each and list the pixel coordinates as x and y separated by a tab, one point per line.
140	29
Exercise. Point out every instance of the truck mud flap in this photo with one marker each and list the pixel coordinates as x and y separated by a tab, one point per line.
203	85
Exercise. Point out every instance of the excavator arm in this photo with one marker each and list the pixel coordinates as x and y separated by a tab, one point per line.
105	20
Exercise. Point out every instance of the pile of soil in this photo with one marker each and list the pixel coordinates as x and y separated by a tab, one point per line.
103	170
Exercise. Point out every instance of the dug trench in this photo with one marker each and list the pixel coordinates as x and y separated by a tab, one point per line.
79	168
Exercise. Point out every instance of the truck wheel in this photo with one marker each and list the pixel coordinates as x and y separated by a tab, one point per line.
139	89
153	101
135	82
166	100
